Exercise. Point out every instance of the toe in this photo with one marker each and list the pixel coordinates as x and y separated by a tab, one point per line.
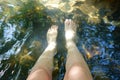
54	27
49	30
71	22
67	22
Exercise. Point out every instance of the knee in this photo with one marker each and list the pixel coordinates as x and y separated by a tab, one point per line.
39	75
75	73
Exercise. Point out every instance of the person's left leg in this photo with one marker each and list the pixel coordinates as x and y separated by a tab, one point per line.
42	69
76	67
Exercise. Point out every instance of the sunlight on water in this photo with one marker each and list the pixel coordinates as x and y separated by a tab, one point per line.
9	32
0	9
65	6
4	70
16	48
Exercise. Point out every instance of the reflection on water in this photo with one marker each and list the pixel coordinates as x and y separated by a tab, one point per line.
23	27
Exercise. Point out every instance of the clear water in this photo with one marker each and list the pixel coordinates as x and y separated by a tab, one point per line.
23	30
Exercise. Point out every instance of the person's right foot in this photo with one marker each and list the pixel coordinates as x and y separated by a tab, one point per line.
70	31
52	34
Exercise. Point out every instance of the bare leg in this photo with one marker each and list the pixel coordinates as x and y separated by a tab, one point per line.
42	70
76	67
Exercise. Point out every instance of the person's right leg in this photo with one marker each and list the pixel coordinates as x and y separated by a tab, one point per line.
42	70
76	67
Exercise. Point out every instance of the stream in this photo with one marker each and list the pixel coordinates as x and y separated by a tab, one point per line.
23	27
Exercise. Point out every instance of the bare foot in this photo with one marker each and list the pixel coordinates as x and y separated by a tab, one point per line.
52	35
70	30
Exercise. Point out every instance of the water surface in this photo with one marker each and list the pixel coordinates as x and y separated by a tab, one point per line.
23	27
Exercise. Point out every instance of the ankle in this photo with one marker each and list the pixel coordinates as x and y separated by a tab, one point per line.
69	44
51	46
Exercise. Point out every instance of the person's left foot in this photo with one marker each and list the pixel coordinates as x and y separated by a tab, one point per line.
52	34
70	30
